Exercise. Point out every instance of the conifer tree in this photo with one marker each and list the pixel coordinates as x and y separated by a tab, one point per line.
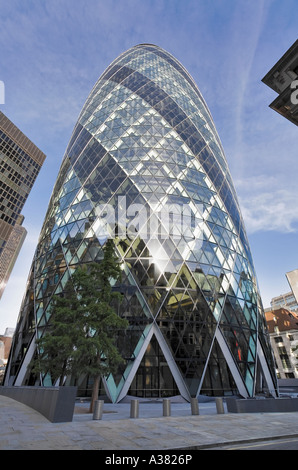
80	337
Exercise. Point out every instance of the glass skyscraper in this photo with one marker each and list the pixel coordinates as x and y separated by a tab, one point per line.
145	167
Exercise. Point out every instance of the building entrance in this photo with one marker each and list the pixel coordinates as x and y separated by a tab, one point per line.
153	378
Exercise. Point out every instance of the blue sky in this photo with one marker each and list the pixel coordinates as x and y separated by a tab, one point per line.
53	51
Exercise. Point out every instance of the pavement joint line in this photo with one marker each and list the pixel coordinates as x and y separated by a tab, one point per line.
236	442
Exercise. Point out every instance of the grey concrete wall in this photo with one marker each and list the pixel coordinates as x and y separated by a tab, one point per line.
55	403
288	385
269	405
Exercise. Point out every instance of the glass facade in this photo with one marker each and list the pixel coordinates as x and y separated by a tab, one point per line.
145	167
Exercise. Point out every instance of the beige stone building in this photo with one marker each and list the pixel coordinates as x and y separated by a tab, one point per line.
283	330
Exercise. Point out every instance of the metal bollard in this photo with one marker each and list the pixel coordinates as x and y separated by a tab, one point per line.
219	406
166	405
134	408
194	406
98	409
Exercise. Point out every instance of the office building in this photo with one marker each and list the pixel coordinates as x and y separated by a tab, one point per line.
287	301
20	162
144	156
292	278
5	344
283	330
283	79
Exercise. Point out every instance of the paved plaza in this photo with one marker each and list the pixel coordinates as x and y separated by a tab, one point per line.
22	428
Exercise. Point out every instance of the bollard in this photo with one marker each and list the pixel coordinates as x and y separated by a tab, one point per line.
166	405
219	405
194	406
134	408
98	408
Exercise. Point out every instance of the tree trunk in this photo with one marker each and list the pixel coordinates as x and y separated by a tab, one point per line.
95	391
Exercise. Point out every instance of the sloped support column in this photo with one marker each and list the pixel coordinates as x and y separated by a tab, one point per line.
231	363
266	372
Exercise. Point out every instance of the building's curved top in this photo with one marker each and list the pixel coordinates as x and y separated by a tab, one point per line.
139	70
147	44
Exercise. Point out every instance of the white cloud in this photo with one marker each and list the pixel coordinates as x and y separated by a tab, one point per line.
266	206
